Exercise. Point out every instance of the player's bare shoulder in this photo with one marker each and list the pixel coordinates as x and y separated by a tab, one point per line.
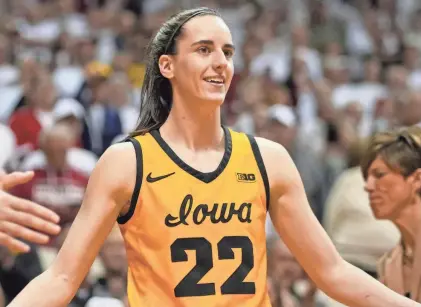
272	153
121	155
116	169
278	162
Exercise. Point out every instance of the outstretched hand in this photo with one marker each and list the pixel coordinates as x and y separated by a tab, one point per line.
22	219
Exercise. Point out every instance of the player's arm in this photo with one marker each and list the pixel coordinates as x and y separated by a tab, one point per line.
305	237
109	189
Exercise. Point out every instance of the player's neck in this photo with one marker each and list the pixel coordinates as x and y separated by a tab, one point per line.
198	128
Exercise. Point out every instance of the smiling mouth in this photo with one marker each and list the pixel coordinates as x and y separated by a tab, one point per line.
215	80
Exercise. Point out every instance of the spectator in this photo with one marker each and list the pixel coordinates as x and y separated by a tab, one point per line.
410	109
325	29
56	184
68	112
251	100
348	220
397	80
281	127
95	76
71	113
73	22
119	96
125	25
384	117
37	32
350	118
411	61
288	277
368	92
30	73
104	124
392	180
28	122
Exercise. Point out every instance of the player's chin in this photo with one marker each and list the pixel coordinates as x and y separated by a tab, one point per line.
214	98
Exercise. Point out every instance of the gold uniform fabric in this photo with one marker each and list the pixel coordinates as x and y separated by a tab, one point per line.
197	239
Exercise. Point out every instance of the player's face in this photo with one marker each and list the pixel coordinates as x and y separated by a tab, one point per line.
388	190
203	66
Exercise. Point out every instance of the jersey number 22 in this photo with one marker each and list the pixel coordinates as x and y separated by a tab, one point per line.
235	284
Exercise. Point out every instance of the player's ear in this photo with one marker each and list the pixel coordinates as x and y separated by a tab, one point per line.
166	66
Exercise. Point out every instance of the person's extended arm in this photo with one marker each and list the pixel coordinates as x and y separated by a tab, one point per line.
302	233
109	190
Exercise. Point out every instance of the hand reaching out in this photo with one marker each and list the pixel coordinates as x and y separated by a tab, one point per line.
22	219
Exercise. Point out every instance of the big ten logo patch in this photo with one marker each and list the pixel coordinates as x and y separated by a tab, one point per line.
243	177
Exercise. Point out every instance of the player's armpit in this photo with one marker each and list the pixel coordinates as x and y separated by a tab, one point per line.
110	187
305	237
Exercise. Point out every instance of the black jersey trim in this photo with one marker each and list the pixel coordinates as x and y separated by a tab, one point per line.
204	177
138	183
262	168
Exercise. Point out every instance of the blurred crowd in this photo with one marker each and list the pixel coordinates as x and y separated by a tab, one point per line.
317	76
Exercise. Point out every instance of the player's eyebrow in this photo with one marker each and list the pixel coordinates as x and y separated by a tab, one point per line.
210	42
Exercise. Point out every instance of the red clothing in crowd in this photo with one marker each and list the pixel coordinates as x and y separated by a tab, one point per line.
60	191
26	127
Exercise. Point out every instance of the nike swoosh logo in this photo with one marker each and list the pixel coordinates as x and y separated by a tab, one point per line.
151	179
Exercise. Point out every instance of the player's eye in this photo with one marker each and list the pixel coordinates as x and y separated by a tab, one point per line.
229	53
203	50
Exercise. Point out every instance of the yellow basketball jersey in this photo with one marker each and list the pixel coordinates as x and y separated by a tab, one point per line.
197	239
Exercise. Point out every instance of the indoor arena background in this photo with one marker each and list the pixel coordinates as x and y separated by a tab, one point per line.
316	76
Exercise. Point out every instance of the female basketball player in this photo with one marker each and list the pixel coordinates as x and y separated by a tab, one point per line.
23	219
392	169
191	185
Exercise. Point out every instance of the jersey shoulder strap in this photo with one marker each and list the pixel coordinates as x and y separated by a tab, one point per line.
136	142
246	142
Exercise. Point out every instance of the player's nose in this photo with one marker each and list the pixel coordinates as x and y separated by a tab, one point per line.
220	61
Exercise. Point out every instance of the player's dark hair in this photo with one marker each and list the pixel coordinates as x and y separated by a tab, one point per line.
156	96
